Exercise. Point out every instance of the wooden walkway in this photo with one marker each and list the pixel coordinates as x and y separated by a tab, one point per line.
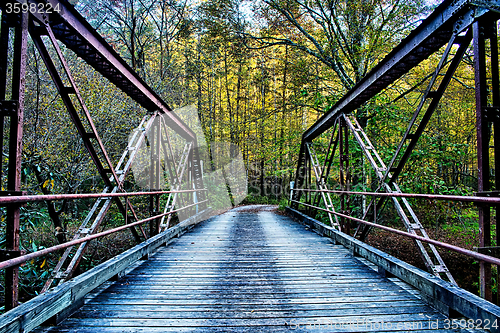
253	272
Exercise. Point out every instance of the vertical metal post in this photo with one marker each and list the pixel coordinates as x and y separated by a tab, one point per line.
341	172
347	178
151	213
10	293
307	183
344	172
4	52
154	182
495	90
192	182
158	220
157	147
299	178
154	209
150	139
482	153
188	197
158	175
15	156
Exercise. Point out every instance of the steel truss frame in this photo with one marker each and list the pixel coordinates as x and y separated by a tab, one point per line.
12	115
487	113
101	207
457	23
68	27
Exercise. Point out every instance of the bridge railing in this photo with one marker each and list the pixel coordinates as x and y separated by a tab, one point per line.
455	27
467	252
152	141
34	198
59	302
442	295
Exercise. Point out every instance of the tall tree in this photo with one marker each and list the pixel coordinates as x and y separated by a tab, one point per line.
348	36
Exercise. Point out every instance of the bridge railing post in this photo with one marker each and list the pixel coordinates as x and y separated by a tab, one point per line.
487	114
13	110
495	87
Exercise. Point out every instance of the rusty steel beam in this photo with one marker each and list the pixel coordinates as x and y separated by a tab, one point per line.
78	35
483	147
33	198
15	145
412	135
103	167
68	26
345	173
426	39
27	257
299	175
495	100
4	40
436	98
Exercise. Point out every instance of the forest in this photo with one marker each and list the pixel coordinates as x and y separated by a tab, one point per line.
259	73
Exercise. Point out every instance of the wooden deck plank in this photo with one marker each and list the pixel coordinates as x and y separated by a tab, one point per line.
131	312
262	329
257	301
235	322
244	272
339	282
298	288
254	307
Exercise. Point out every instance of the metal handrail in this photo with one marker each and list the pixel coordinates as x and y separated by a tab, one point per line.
27	257
476	255
488	200
33	198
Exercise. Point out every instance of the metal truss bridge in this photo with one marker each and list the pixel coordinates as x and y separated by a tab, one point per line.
249	269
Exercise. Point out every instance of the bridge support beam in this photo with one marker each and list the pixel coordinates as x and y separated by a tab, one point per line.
11	116
344	173
70	28
451	24
487	118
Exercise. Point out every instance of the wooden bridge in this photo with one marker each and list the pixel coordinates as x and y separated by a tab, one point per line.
249	269
253	270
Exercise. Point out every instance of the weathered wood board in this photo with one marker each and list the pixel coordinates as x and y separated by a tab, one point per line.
246	272
57	300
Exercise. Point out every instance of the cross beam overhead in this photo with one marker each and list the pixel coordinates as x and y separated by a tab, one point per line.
434	32
77	34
